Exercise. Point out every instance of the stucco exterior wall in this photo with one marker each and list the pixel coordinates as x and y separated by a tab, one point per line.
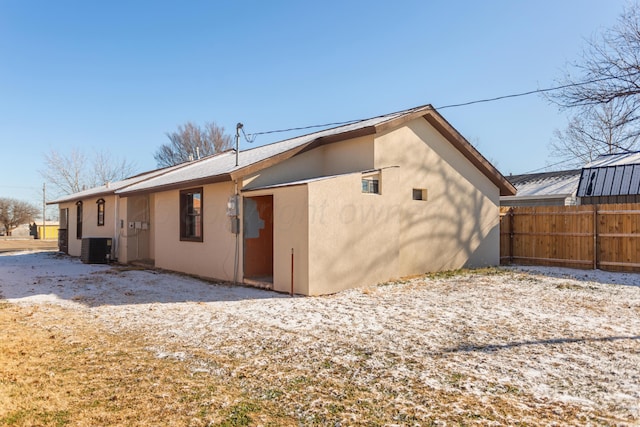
71	226
331	159
291	215
211	258
353	236
90	226
458	225
137	242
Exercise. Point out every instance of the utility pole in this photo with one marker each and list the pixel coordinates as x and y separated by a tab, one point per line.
238	127
44	210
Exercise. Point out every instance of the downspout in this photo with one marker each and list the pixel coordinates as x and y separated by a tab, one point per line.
236	255
291	272
236	260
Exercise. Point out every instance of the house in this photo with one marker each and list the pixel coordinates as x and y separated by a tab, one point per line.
611	178
96	212
387	197
544	189
48	230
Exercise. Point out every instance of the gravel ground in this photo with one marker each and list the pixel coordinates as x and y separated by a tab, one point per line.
540	339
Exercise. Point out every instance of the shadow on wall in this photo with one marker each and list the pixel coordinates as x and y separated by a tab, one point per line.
463	239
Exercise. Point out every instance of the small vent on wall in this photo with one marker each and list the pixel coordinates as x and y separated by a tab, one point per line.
420	194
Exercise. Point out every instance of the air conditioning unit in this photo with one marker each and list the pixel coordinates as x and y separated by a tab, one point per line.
96	250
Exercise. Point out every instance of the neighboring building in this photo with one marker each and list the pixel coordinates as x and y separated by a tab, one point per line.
613	178
48	231
392	196
543	189
21	231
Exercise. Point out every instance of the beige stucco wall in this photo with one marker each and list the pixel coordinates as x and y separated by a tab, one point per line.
355	239
353	236
211	258
331	159
136	243
458	225
291	215
71	227
90	226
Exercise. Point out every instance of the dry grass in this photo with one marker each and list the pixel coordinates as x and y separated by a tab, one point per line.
96	345
56	370
86	377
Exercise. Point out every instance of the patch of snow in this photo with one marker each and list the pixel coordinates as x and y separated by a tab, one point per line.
566	335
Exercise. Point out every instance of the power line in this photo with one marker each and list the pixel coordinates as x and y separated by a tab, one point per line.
531	92
548	166
252	136
18	186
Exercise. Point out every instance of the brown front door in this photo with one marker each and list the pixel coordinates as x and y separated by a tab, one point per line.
258	237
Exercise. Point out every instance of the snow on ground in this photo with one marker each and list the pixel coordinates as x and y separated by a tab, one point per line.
556	334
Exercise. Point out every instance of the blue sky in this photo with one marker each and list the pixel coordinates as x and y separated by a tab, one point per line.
118	75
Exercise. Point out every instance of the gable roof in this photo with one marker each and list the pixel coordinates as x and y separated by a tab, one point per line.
560	183
611	175
110	188
222	167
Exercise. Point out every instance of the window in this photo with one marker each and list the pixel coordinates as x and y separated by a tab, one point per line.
63	218
79	220
371	183
191	215
420	194
100	203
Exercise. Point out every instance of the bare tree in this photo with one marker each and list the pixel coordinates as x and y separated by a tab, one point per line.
65	172
191	141
15	212
596	130
107	168
603	90
72	173
610	67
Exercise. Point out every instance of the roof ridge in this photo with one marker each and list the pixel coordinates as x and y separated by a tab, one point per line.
348	123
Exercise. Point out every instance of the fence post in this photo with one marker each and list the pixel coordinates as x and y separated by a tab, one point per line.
511	221
595	236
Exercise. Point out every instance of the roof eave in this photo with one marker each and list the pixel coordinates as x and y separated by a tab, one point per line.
177	185
538	197
81	197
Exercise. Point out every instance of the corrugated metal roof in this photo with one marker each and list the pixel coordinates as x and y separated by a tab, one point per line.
560	183
611	175
222	166
112	187
618	180
615	160
224	163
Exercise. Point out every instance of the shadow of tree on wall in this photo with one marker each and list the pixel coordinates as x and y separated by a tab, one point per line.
467	234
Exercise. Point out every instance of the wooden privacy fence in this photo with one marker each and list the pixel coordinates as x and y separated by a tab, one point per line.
603	237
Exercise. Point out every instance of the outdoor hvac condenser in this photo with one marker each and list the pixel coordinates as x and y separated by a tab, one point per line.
96	250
